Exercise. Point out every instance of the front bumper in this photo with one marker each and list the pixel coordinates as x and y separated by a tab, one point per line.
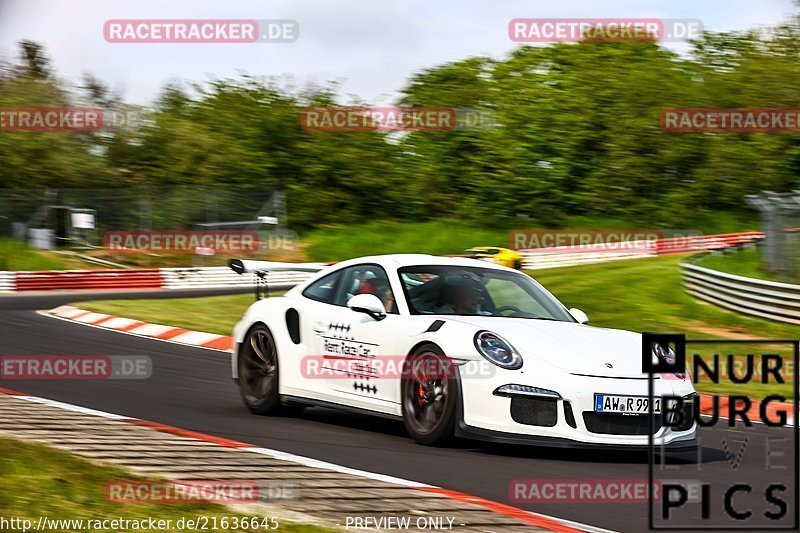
571	422
500	437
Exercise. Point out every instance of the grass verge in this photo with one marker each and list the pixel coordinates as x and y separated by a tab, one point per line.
214	314
15	255
438	237
746	262
36	480
646	295
443	236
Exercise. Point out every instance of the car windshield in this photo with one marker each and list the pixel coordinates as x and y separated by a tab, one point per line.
476	291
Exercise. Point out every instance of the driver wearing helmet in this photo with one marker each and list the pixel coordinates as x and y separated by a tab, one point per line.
380	288
459	299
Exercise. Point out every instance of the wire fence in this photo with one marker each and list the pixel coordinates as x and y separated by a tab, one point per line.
132	209
780	219
77	222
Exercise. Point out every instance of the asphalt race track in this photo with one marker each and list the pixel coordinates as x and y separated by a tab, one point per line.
191	388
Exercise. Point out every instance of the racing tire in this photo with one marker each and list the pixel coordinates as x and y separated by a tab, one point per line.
258	374
429	400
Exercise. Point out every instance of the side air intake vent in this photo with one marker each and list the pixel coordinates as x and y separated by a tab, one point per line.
293	324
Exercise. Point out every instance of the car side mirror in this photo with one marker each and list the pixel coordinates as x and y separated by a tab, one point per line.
369	304
579	315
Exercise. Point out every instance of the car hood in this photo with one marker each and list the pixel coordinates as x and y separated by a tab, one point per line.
576	348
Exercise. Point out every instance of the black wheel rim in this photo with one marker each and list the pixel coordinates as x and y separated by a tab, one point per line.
258	366
426	394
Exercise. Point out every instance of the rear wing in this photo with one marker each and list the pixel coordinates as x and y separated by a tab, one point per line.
260	268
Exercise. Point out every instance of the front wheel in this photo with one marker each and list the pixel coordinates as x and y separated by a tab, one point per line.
429	396
258	373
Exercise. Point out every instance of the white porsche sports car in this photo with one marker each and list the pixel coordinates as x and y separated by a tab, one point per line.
453	347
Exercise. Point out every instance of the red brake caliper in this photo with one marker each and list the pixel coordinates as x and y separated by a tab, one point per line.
421	391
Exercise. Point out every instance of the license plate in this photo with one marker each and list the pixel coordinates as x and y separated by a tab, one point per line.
611	403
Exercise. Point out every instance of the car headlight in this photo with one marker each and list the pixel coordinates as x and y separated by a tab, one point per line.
497	351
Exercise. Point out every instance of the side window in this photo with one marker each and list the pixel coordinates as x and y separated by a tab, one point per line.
366	279
423	291
324	289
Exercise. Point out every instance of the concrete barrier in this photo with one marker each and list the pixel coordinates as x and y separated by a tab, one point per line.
54	280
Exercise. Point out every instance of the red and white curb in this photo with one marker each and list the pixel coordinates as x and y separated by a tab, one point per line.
144	329
537	520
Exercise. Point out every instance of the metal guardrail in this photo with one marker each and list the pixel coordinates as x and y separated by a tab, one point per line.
218	277
750	296
539	261
541	258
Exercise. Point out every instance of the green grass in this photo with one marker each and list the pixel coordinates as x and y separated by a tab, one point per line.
709	224
15	255
36	480
646	295
746	262
214	314
441	237
438	237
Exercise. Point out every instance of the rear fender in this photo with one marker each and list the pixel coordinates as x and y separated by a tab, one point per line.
269	311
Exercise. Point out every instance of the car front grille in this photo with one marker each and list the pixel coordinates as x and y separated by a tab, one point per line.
534	411
619	424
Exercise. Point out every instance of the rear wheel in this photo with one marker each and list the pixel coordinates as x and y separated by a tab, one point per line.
429	396
258	373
